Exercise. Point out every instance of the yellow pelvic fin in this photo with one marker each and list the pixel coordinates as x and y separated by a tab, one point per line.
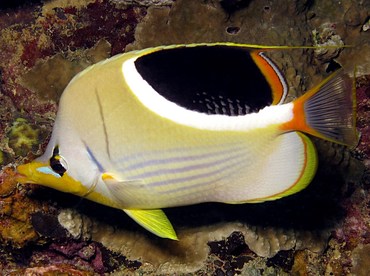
154	221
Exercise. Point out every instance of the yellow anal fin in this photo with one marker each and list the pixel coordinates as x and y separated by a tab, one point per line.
307	172
154	221
287	169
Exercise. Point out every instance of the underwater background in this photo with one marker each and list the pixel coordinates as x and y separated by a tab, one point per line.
323	230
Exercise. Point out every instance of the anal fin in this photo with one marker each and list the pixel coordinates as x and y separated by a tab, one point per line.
154	221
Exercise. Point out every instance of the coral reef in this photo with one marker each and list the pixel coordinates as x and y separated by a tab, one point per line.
23	137
324	37
52	86
323	230
360	260
15	222
363	118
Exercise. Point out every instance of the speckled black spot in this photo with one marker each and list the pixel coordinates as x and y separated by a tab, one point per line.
208	79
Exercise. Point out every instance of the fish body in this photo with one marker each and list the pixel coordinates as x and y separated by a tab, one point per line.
184	124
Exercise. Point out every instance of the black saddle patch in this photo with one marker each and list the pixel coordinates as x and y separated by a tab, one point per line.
209	79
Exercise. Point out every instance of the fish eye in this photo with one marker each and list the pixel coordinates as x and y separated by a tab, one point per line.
57	162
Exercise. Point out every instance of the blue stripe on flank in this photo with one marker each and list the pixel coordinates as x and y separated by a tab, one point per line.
157	161
157	172
213	181
199	176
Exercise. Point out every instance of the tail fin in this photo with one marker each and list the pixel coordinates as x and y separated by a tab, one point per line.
329	110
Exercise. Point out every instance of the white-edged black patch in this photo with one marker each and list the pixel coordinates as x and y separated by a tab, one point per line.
215	79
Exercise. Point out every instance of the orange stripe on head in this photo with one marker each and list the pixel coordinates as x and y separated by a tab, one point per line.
272	75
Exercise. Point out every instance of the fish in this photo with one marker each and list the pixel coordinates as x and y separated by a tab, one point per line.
185	124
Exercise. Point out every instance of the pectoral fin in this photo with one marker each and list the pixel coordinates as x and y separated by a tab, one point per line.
124	191
154	221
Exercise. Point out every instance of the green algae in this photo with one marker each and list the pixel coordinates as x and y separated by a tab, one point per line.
23	137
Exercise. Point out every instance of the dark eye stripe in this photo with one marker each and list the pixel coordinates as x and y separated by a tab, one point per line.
55	163
55	151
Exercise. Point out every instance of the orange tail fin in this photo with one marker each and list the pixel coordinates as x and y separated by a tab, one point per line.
328	110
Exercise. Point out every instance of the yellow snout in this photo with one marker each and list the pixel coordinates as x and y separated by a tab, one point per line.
42	174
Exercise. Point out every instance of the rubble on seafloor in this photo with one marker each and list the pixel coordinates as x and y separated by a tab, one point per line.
323	230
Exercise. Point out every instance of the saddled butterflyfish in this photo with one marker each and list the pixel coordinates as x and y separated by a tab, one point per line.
185	124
